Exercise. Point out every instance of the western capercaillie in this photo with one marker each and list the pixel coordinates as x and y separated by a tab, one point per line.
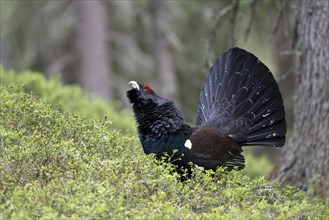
240	104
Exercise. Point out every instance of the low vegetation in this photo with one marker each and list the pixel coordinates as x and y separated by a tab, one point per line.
56	164
69	98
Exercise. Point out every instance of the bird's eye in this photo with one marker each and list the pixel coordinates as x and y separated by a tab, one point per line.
148	89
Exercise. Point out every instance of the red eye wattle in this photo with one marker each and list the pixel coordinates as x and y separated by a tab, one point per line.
148	89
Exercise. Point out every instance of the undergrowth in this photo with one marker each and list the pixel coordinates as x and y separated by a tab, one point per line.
69	98
59	165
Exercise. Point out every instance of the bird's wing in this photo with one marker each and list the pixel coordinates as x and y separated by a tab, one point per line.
209	148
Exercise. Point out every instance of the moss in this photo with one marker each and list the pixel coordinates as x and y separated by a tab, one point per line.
58	165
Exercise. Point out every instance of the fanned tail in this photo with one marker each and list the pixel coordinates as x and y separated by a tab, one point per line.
241	98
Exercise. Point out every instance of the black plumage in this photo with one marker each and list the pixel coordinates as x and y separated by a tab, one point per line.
240	104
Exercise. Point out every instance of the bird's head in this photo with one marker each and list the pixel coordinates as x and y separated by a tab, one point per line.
155	116
141	95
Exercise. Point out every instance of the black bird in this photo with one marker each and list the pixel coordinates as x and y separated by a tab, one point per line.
240	104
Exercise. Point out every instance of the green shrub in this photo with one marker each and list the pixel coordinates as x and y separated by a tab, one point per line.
57	165
69	98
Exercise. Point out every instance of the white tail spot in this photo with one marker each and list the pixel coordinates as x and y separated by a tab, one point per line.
188	144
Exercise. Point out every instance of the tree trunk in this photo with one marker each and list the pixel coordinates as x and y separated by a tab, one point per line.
94	69
306	160
163	63
4	55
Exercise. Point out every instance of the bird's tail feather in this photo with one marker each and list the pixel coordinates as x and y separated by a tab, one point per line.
241	98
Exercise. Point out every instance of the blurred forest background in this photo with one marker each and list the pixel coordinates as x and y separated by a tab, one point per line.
169	45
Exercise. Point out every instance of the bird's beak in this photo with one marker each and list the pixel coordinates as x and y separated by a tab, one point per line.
134	84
